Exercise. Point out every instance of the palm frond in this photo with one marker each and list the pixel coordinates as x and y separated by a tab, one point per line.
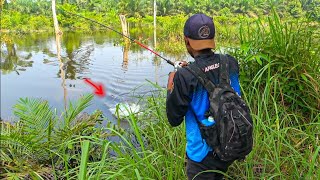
75	109
36	117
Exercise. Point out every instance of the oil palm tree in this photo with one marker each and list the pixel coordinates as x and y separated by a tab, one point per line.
35	144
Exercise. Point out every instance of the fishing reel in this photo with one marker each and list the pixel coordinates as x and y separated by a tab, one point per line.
180	64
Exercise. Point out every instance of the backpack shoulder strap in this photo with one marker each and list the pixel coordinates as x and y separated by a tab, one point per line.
201	76
204	80
224	70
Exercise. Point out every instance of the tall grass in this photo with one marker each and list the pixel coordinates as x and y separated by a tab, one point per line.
286	52
281	65
151	149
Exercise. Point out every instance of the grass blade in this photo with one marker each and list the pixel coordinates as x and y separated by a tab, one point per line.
84	160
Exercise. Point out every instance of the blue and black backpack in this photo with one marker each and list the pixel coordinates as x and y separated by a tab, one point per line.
231	137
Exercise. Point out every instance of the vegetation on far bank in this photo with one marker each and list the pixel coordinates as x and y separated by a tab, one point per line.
27	15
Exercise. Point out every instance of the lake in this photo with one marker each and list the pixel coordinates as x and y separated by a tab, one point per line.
30	68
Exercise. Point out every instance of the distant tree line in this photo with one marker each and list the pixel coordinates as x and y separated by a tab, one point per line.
140	8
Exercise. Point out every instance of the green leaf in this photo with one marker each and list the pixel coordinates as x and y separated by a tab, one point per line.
304	77
137	174
258	60
84	160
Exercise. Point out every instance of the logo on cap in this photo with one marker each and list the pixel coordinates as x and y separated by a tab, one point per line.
204	32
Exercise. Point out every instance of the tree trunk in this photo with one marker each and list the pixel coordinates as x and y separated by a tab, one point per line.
125	31
55	20
58	44
154	23
125	28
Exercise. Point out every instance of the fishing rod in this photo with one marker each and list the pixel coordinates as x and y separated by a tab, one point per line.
131	39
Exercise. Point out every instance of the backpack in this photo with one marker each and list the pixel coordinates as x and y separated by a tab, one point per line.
231	136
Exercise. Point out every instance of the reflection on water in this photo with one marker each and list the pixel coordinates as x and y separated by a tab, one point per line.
30	68
125	60
11	61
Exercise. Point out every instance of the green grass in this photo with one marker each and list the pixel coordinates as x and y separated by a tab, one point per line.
152	149
84	159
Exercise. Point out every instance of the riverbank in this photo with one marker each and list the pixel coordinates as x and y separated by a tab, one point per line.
150	148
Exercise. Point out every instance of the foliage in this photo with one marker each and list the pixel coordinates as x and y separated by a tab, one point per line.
27	15
41	141
152	149
287	53
22	22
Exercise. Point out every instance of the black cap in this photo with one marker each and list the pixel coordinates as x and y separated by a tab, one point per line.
200	31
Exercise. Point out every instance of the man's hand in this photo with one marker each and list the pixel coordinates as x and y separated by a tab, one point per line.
177	65
170	81
180	64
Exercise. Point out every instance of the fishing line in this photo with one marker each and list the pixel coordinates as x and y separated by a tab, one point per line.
131	39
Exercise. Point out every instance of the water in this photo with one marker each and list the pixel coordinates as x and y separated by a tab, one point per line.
30	68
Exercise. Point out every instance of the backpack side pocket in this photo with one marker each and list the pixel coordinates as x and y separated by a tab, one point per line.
210	135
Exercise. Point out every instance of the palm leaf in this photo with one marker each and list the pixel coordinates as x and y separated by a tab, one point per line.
75	109
36	117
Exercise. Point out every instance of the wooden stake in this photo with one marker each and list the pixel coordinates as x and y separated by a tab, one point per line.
155	23
58	44
125	28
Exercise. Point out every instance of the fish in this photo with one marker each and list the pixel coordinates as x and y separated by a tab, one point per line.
123	110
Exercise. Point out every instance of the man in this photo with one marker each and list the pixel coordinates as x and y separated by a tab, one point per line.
188	98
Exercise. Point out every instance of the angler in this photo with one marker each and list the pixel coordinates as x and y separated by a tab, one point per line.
196	92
